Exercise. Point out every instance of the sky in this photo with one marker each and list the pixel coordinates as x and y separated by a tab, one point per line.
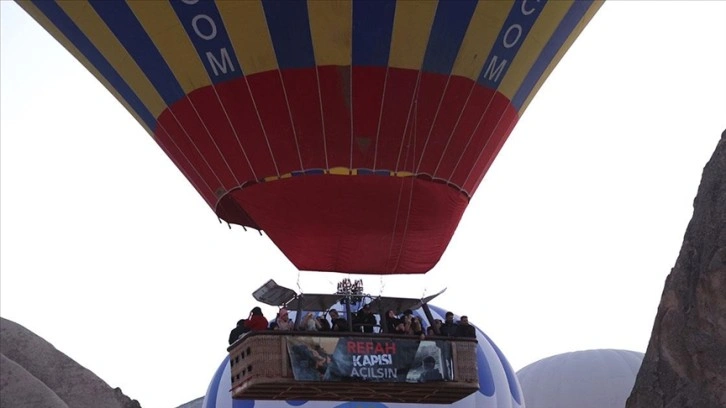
109	254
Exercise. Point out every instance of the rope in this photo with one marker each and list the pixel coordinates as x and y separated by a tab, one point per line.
322	117
380	119
292	121
214	142
236	135
262	126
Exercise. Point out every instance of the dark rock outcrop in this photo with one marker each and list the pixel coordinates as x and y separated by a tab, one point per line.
35	374
685	363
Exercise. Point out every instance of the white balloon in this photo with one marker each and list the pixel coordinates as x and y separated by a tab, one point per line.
593	378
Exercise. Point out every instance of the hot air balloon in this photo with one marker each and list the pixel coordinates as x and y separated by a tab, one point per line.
354	133
600	378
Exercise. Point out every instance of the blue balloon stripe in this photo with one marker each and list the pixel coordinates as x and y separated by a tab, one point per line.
511	376
569	22
64	23
372	32
205	28
486	377
290	31
447	33
518	24
122	21
211	397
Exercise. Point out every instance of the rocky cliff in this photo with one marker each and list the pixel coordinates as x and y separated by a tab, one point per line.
685	363
34	374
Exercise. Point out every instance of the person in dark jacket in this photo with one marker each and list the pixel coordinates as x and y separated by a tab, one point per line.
238	331
449	327
464	329
392	321
337	323
364	320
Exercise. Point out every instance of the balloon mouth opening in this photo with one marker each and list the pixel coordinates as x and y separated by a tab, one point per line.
231	211
366	225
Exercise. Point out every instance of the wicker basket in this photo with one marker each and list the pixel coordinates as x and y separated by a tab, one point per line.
260	369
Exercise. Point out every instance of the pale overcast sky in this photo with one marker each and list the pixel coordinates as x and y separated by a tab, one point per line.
111	255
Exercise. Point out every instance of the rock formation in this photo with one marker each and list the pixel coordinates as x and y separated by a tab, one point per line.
35	374
685	363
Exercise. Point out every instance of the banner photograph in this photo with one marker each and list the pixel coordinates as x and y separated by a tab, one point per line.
376	360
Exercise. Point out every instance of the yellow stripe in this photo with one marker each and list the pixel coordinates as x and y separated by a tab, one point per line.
340	171
65	42
331	30
547	22
411	29
162	25
88	21
485	25
566	46
250	36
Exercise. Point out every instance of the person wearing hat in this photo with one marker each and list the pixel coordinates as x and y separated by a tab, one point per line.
257	320
283	321
364	321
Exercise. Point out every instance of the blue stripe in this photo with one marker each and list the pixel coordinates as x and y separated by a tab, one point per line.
371	172
307	172
61	20
569	22
372	32
519	22
290	31
211	397
205	28
447	32
508	371
484	370
129	32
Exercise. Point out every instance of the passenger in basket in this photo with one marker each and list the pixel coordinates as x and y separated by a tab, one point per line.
323	323
416	327
364	320
238	331
449	328
257	320
465	329
283	321
310	323
408	324
392	322
339	324
437	327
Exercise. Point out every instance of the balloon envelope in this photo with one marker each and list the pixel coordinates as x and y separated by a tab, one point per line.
353	132
601	378
498	384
